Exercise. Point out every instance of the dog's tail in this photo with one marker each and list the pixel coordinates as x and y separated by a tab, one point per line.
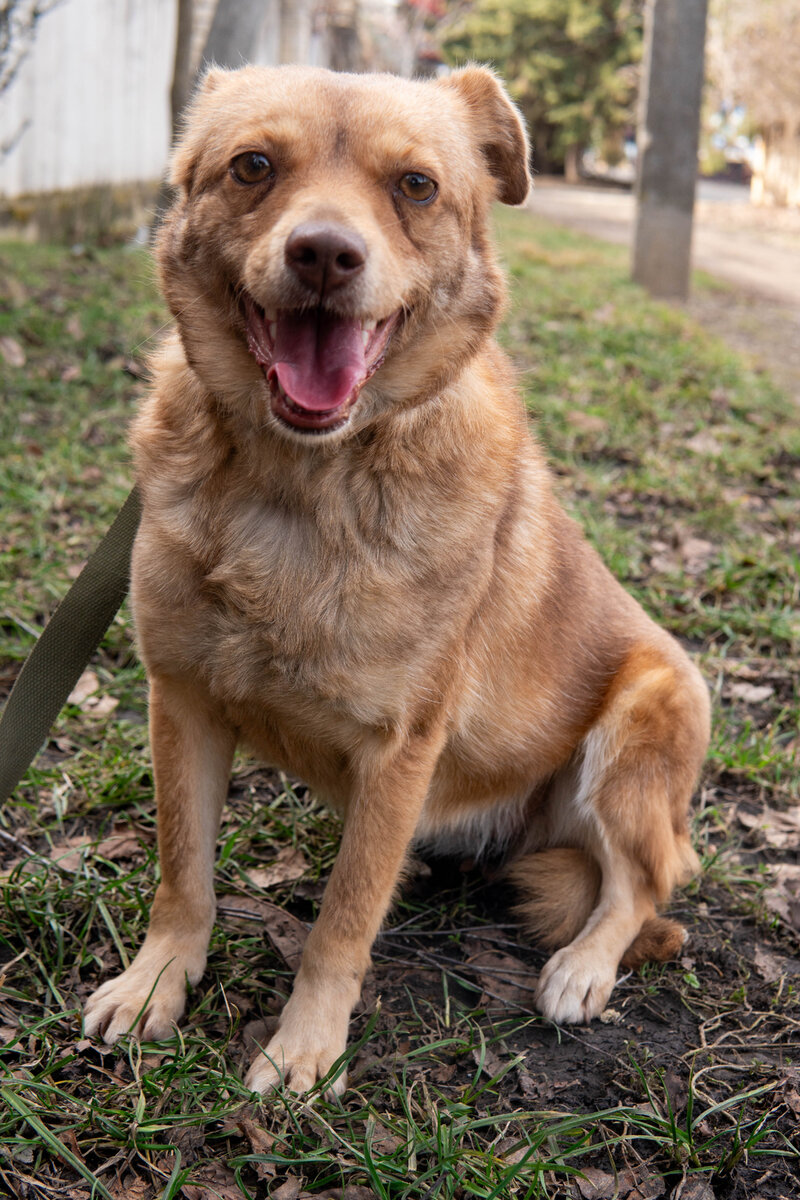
560	888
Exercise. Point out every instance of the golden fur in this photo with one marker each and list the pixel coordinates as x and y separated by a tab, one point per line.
396	609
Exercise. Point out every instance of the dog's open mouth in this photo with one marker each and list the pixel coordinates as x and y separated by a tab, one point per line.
315	361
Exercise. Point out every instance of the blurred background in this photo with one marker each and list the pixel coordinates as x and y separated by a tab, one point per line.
90	89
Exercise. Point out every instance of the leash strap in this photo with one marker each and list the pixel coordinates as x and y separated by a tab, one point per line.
65	646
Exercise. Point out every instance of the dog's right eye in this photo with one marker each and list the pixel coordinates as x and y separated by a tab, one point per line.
251	167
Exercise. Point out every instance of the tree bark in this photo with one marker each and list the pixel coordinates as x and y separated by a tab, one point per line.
668	138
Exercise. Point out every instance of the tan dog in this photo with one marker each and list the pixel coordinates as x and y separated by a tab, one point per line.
351	560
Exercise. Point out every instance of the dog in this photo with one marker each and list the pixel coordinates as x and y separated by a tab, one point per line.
351	560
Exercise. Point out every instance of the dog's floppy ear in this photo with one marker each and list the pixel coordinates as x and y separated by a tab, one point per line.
499	128
184	158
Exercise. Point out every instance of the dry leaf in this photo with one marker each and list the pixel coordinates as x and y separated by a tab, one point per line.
84	694
492	1063
594	1184
353	1191
783	897
132	1187
769	966
696	554
212	1181
290	864
69	851
289	1190
694	1187
749	692
703	443
85	687
286	933
189	1139
586	422
502	977
12	352
780	829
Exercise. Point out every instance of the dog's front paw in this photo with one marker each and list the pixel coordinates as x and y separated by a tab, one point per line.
574	986
139	1001
310	1038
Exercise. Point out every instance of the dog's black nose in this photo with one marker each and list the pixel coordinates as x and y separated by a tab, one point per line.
325	256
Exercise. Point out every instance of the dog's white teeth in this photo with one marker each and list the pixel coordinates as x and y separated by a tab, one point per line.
273	330
365	337
271	314
369	326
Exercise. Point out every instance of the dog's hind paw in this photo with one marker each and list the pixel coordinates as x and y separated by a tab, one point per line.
574	986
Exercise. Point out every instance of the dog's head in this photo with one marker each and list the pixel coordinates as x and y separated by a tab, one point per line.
328	253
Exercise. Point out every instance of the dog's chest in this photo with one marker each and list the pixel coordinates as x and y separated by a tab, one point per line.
303	617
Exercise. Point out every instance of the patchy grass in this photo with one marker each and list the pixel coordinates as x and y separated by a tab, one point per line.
683	465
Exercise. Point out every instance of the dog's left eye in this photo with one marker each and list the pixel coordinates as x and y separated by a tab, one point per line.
251	167
418	187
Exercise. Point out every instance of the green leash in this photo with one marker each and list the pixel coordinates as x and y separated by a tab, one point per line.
65	646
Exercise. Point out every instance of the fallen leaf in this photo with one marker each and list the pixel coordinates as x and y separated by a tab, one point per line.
604	314
502	977
289	1190
261	1142
694	1187
780	828
783	897
650	1187
189	1139
290	864
594	1184
586	422
69	852
85	687
70	374
353	1191
769	966
750	693
132	1187
286	932
696	554
703	443
124	844
12	352
212	1181
103	706
492	1064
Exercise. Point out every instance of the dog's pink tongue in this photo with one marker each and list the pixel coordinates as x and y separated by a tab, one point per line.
318	359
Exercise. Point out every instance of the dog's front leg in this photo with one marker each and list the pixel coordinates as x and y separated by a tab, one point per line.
379	825
192	752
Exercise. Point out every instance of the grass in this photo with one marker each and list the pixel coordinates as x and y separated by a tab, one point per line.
683	465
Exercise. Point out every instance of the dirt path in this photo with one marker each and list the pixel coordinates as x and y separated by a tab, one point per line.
755	250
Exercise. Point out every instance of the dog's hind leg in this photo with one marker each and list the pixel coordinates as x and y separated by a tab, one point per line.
192	754
625	830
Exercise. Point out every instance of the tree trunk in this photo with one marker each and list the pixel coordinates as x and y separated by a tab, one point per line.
234	31
572	164
668	136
